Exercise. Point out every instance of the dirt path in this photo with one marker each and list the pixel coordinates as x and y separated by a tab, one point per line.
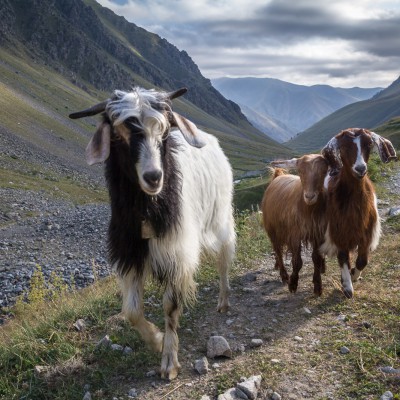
302	335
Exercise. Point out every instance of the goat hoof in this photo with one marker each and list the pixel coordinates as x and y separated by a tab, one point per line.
348	293
318	291
292	288
223	308
293	282
169	367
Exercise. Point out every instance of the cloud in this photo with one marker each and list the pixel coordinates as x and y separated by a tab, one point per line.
340	43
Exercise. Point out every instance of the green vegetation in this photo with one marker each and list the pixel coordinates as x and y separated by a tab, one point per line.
381	113
28	176
42	355
249	192
391	131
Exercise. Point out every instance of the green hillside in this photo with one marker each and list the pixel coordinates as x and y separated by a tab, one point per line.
61	56
368	114
391	130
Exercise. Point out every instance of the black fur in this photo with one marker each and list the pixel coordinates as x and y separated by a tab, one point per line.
130	205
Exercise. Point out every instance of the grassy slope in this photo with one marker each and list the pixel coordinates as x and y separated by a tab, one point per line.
35	102
43	335
391	131
366	114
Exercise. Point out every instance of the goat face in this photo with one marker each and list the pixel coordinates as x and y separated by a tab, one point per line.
137	123
355	148
141	153
351	148
312	169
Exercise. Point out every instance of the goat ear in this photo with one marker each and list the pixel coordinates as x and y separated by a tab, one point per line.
287	164
98	149
385	148
188	130
331	152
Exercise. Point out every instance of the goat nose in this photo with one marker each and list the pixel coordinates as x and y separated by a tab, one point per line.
152	177
361	169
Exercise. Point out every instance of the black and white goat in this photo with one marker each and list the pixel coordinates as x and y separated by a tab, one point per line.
170	187
352	214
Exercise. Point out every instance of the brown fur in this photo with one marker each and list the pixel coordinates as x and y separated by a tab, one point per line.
289	221
353	221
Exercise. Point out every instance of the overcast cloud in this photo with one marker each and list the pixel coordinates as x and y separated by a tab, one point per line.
341	43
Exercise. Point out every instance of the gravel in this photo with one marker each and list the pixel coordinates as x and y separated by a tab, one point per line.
54	234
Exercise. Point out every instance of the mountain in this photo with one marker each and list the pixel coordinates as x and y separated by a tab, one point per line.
281	109
370	114
59	56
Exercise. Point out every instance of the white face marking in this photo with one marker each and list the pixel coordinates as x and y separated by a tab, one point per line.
326	181
360	162
150	161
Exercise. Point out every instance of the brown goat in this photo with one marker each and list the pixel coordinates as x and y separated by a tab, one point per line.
294	213
352	213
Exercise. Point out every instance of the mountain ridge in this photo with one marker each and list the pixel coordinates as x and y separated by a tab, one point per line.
61	56
371	114
295	106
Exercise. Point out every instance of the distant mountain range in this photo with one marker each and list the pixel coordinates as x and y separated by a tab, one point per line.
281	109
382	109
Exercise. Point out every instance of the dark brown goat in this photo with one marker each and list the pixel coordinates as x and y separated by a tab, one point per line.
353	220
294	213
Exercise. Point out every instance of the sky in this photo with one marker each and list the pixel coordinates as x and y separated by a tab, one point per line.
342	43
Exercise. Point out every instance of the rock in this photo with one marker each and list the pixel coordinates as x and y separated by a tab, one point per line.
298	339
80	325
230	394
276	396
344	350
117	347
342	318
127	350
306	310
105	342
87	396
132	393
250	277
205	397
217	346
387	396
151	373
201	366
250	387
390	370
256	343
394	211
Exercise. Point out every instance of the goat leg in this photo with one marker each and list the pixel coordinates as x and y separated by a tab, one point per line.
172	308
344	262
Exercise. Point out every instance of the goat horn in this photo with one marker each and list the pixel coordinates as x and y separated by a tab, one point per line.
176	93
97	109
